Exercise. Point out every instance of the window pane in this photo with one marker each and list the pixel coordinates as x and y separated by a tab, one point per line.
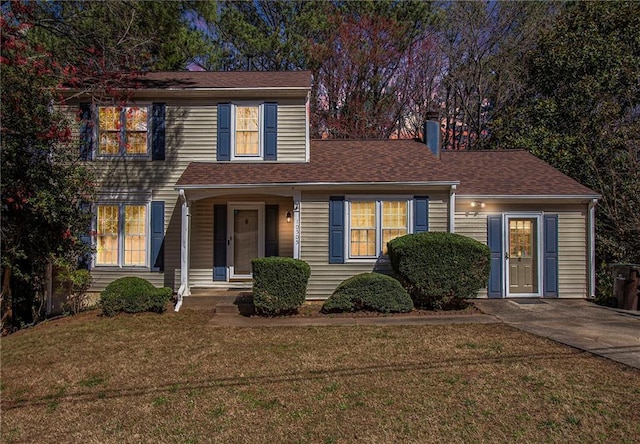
363	229
109	117
109	143
107	235
136	118
136	143
394	221
135	235
247	131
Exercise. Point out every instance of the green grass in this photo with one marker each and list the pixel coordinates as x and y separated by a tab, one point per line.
180	378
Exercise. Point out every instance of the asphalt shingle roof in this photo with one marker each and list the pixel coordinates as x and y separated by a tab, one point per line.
500	172
229	79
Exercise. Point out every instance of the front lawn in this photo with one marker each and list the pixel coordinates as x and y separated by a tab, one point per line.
177	377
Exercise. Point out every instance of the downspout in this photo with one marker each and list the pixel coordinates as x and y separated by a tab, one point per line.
591	250
452	209
296	224
184	253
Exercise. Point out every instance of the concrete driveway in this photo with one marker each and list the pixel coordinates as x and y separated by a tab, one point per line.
613	334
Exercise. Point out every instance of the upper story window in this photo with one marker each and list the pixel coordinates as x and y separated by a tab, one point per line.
123	130
136	131
247	131
247	134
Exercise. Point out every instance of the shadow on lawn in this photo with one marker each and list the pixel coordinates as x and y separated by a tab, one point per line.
174	386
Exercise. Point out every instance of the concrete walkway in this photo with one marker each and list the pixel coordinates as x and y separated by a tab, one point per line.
613	334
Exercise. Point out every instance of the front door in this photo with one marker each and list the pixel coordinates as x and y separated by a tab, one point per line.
522	256
246	239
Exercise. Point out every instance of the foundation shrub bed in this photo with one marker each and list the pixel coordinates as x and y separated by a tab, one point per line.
369	292
279	285
133	295
440	270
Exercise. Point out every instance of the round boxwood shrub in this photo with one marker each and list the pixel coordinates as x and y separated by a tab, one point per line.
279	285
440	270
369	292
133	295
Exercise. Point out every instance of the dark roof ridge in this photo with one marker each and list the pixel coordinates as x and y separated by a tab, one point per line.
498	150
364	139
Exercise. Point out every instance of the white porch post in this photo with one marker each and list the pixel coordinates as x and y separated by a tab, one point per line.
184	251
296	224
452	209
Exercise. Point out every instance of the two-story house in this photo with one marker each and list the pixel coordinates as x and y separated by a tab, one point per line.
199	172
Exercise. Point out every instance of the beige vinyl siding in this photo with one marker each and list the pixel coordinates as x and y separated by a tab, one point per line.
572	254
292	124
314	239
438	212
572	240
190	135
473	225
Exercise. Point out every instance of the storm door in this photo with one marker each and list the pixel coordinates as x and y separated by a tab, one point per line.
522	256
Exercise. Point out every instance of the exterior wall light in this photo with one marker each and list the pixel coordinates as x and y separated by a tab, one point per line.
477	204
288	217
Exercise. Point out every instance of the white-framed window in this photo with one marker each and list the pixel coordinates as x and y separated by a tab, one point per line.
372	222
121	234
247	131
123	130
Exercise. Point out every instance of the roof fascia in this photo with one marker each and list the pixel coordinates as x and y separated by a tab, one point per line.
443	184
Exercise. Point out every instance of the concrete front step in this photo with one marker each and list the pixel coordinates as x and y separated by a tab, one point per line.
222	302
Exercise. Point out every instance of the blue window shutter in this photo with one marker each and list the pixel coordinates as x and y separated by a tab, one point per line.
494	240
157	235
86	132
270	131
271	230
336	229
158	128
219	242
550	267
85	260
420	214
224	132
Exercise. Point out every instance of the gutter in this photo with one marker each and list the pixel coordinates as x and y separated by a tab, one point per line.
591	249
529	196
452	209
446	183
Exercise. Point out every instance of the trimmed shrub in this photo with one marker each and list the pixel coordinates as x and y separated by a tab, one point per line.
133	295
279	285
440	270
369	292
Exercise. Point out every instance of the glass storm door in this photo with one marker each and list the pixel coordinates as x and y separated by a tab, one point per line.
245	239
522	256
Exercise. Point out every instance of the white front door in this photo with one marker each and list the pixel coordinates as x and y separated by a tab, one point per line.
246	238
522	255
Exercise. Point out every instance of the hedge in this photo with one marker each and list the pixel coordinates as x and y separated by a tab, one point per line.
133	295
369	292
440	270
279	285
